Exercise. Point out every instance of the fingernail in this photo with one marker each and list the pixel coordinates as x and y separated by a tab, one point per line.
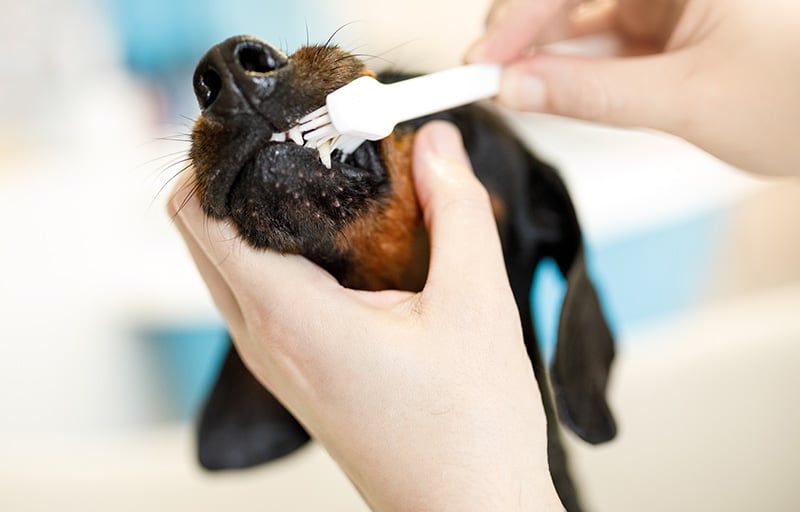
439	151
446	143
445	140
522	91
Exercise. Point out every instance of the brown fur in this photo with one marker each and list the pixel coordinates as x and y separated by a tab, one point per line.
310	87
389	246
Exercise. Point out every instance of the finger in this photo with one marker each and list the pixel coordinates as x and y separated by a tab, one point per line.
296	325
513	28
496	12
557	29
183	198
275	294
586	19
641	91
465	246
651	21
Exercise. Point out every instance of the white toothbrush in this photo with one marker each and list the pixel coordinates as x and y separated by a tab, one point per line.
366	109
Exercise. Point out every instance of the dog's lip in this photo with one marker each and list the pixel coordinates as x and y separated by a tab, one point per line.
291	137
295	137
339	164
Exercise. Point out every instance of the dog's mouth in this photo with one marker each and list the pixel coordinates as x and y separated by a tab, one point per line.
245	162
251	162
324	151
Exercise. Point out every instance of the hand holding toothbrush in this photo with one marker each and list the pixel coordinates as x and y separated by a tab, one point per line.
724	75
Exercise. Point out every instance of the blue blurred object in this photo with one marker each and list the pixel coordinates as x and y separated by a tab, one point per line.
641	277
163	40
187	358
157	36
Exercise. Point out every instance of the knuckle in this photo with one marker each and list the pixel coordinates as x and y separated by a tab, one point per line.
588	97
475	191
471	196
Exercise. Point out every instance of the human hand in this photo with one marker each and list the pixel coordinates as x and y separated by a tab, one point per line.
427	400
722	74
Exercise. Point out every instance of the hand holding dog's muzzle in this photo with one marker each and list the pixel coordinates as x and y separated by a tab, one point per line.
414	395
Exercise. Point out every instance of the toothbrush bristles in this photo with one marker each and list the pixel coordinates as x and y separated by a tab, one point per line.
310	124
327	131
347	144
315	130
321	111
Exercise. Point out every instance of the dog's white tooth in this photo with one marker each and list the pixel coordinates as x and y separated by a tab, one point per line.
325	153
296	135
278	137
313	142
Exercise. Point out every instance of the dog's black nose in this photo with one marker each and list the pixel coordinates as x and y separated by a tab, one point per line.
236	76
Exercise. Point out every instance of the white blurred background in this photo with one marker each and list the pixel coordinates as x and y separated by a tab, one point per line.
109	338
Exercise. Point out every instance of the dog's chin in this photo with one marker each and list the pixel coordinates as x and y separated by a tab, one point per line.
283	198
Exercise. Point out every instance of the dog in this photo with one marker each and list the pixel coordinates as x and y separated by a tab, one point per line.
359	220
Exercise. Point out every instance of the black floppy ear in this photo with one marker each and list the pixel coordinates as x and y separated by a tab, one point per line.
585	349
242	424
585	346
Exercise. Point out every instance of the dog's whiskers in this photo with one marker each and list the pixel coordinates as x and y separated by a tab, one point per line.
195	186
173	178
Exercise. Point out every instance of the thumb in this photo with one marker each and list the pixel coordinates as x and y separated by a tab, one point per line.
465	245
635	91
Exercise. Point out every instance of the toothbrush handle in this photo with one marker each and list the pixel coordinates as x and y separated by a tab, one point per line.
442	90
368	109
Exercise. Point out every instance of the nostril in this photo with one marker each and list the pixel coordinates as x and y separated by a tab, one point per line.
234	77
256	58
207	86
